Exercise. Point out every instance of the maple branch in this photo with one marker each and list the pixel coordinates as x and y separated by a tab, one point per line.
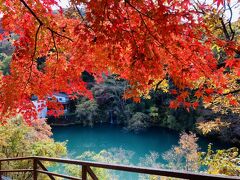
83	21
224	29
128	2
79	12
31	11
231	92
157	85
150	32
55	32
131	33
155	38
198	11
229	22
55	46
33	56
40	21
161	44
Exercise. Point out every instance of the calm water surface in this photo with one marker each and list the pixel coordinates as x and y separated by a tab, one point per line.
107	136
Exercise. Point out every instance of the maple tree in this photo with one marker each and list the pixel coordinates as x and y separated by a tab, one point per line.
144	42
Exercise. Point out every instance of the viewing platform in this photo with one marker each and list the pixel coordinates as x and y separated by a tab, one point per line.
87	173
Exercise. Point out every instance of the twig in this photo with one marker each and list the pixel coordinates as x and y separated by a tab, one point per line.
232	92
128	2
31	11
83	19
230	22
55	45
224	29
157	85
40	21
33	56
57	53
52	31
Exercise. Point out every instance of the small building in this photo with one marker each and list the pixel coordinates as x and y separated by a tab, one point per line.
63	98
41	106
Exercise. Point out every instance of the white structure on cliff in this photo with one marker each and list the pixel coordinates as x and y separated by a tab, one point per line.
41	106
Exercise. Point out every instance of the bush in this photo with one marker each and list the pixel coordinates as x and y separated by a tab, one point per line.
225	161
112	155
186	155
139	122
18	139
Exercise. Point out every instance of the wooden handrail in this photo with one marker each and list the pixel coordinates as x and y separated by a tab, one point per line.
86	169
58	175
45	169
17	158
17	170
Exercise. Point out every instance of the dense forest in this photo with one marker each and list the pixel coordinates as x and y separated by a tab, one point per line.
109	106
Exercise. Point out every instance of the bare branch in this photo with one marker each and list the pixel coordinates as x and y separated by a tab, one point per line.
230	22
79	12
224	29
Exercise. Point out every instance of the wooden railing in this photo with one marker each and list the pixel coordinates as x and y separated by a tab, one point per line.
86	171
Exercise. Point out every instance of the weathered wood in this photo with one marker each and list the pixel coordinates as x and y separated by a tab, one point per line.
58	175
35	167
16	170
144	170
84	172
86	165
45	169
0	170
16	158
91	173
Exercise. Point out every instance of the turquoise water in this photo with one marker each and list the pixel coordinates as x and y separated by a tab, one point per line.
107	136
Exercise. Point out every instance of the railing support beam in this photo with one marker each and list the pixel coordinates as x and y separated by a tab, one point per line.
91	173
84	172
0	170
35	166
45	169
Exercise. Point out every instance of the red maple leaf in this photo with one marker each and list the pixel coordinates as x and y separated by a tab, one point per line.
230	62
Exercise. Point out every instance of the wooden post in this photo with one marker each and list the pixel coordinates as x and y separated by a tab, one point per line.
35	169
84	172
0	170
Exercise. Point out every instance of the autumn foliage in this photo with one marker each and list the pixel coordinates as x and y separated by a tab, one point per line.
143	41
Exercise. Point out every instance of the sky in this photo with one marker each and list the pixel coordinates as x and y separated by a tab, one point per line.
63	3
236	9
